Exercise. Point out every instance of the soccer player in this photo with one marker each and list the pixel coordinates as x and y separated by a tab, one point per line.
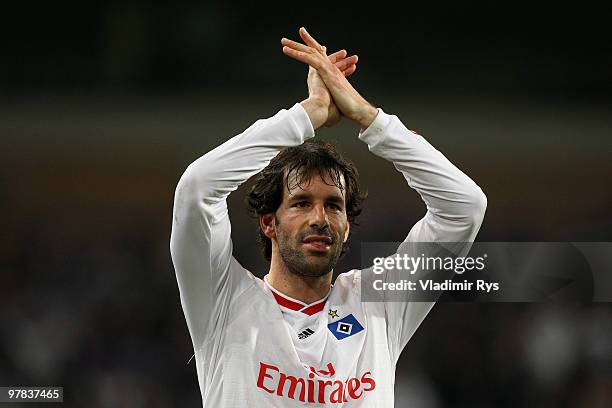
293	338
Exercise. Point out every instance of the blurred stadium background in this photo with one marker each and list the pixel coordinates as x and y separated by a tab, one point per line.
102	106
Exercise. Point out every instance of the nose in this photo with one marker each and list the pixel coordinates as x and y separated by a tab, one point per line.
318	216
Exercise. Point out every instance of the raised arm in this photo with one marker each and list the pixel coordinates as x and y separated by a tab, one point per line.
455	204
200	244
455	209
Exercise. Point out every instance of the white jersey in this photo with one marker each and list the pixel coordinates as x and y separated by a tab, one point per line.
254	346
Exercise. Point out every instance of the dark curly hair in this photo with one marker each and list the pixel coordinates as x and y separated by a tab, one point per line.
313	156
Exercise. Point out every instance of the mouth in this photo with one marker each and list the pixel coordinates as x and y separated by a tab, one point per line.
318	243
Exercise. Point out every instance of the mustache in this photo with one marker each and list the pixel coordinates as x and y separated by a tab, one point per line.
325	231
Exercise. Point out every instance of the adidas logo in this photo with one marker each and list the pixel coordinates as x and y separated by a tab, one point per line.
302	335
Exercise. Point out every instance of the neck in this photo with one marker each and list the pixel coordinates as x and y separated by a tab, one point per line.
306	289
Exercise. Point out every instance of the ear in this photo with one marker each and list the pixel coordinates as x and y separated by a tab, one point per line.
267	225
348	230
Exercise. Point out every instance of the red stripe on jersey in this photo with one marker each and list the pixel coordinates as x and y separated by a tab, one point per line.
289	304
310	310
298	307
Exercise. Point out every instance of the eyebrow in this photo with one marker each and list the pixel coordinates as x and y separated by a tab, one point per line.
336	199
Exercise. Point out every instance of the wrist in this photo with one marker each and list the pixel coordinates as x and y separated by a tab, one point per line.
366	116
317	111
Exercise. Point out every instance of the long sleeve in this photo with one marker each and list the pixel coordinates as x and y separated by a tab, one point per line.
455	206
200	244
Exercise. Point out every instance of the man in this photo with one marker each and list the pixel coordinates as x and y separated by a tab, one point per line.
293	339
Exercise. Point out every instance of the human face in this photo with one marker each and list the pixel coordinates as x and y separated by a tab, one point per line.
311	226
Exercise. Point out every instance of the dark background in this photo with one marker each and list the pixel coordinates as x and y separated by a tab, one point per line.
103	105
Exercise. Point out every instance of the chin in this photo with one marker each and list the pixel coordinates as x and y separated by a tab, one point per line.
315	274
318	255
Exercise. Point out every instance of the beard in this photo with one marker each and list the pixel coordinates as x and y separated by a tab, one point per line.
302	262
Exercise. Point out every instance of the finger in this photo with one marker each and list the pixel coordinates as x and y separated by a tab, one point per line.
350	70
295	45
346	62
305	57
337	56
311	42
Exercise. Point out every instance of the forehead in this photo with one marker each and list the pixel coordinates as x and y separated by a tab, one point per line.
324	182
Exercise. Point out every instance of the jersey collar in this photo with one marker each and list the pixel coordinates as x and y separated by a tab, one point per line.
294	304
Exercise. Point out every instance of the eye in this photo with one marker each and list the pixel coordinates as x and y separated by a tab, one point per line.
301	204
334	207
